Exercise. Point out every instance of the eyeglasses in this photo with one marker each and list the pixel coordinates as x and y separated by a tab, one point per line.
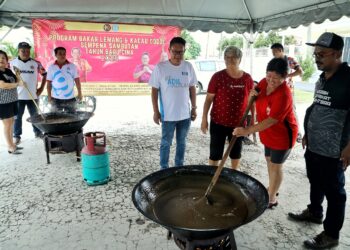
321	55
178	52
231	58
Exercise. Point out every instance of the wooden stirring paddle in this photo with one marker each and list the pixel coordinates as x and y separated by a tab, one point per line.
227	152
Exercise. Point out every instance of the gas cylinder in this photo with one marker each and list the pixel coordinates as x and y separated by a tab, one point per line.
95	159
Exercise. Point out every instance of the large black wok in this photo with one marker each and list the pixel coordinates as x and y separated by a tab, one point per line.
60	122
158	184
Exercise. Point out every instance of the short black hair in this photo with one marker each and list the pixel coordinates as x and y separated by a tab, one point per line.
4	53
277	46
59	48
178	40
278	65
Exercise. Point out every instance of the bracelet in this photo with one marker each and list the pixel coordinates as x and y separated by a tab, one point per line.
194	107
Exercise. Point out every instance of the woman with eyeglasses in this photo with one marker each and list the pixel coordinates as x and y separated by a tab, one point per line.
277	125
228	93
8	102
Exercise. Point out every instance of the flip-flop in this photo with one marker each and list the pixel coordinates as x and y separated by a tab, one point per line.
15	152
272	204
18	148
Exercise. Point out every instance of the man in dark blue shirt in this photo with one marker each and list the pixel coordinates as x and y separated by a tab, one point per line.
327	141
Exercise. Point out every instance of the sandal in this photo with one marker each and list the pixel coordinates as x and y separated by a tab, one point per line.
272	204
15	151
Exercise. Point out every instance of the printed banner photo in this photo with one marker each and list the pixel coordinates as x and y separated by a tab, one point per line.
112	59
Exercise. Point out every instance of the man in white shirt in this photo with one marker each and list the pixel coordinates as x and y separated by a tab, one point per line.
62	75
174	81
30	69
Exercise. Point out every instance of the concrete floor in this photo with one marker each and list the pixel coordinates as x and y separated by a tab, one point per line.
50	207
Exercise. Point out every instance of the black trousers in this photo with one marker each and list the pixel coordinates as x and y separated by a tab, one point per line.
327	179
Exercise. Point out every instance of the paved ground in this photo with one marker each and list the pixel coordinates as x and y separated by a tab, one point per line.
50	207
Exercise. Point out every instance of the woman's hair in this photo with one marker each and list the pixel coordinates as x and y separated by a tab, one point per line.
278	65
4	53
236	52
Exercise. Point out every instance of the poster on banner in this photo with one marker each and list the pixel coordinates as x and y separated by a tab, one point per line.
112	58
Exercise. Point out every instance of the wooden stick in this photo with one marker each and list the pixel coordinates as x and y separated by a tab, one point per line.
227	152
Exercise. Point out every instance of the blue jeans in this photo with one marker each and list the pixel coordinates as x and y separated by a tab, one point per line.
17	127
327	180
168	128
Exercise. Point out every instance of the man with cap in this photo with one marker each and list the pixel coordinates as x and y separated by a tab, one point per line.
327	141
30	70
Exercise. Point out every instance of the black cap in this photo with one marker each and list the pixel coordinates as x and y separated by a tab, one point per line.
24	45
329	40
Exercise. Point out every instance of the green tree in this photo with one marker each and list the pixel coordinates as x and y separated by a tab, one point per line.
289	40
225	42
261	42
267	40
10	50
308	66
193	49
274	37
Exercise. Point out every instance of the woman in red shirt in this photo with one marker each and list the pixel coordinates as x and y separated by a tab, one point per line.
276	125
227	95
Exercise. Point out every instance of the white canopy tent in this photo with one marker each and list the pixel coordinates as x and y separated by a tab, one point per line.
241	16
224	15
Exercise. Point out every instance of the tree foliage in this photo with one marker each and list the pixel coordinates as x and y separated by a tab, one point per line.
10	50
272	37
289	40
193	49
225	42
308	66
267	40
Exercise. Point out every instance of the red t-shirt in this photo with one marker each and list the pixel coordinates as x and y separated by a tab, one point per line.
278	105
231	97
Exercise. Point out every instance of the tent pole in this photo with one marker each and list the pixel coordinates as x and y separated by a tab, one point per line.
2	3
13	26
251	41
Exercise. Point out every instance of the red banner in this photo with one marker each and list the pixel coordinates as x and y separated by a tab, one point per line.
112	59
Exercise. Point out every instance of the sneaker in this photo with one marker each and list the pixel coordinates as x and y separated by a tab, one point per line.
305	215
321	241
17	140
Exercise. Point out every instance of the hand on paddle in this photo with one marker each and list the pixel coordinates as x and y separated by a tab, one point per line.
240	131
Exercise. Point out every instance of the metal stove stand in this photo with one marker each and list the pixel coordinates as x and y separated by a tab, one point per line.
223	242
64	144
